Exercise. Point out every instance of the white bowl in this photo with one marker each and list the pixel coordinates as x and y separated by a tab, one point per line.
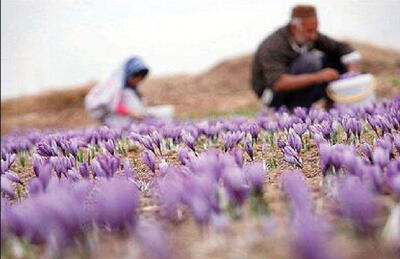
161	111
358	90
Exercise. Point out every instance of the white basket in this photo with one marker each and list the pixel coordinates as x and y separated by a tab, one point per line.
357	90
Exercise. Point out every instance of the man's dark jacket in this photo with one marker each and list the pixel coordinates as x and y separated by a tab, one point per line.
275	54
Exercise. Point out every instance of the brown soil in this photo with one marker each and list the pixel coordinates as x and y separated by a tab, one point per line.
225	88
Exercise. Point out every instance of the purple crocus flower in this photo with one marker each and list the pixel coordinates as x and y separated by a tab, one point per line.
211	131
380	157
98	171
254	130
318	139
270	125
393	176
6	163
84	169
61	165
386	143
367	151
237	155
383	123
35	186
37	162
231	139
326	128
235	186
300	128
135	136
297	191
189	140
200	209
294	141
164	167
170	191
353	163
73	175
372	122
337	156
149	159
127	170
255	176
300	112
310	237
317	115
155	136
46	150
116	203
325	155
13	177
147	142
285	121
396	141
54	218
352	126
44	173
372	174
184	155
7	187
249	149
357	203
203	199
105	165
357	127
291	156
71	146
281	143
109	145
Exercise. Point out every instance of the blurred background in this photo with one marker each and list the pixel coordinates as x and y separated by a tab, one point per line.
199	52
52	44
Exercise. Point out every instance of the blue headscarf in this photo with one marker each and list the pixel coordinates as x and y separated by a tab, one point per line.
134	66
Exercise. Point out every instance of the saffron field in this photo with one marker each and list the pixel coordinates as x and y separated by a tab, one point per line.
307	184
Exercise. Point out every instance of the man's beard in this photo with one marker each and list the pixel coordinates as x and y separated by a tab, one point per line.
301	41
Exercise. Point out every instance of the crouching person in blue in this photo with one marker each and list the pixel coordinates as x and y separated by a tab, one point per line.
293	66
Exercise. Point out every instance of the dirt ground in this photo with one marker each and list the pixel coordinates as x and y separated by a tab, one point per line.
223	89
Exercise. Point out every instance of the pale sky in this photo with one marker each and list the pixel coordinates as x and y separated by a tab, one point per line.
48	44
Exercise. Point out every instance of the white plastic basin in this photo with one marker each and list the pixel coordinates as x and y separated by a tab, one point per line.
161	111
358	90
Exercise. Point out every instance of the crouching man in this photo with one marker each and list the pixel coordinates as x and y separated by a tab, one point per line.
294	65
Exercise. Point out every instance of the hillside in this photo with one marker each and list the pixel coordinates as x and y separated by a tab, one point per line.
223	89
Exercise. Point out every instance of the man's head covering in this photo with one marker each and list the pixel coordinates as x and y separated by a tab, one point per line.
303	11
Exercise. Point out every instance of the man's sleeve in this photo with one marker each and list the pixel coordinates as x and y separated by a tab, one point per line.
273	66
336	48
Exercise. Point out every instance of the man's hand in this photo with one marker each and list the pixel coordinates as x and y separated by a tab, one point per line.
327	74
288	82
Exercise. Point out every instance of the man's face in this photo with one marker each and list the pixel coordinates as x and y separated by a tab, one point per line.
306	30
